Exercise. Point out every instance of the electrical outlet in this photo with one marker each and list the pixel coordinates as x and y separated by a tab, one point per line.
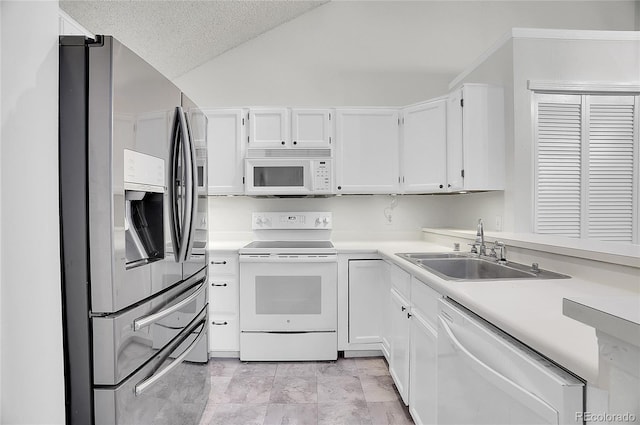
498	223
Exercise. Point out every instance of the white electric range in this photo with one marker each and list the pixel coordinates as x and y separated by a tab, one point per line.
288	289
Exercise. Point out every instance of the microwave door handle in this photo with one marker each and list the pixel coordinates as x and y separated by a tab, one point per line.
174	185
192	189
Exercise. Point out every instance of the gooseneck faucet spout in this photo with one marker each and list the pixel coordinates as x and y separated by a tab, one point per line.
482	249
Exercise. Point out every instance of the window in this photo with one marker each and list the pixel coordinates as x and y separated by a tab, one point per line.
586	165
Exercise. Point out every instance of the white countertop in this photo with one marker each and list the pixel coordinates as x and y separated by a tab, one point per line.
529	310
615	315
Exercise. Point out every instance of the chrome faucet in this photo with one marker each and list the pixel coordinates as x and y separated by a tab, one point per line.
478	247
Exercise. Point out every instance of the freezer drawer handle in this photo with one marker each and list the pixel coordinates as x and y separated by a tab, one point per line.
145	384
218	284
527	398
218	262
148	320
220	323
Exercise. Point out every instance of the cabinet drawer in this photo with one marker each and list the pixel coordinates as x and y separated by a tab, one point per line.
223	264
425	300
224	333
401	281
223	294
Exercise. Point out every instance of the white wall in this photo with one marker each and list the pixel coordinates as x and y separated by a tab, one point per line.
354	216
32	379
385	53
379	53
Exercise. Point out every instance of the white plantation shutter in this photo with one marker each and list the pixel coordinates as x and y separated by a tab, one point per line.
558	182
610	193
587	166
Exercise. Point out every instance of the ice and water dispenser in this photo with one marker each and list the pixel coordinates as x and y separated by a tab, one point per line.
144	186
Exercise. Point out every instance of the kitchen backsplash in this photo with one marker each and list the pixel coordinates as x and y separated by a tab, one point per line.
358	217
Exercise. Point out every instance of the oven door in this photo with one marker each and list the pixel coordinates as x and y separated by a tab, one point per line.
286	293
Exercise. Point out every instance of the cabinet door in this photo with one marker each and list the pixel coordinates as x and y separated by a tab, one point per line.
423	357
386	331
367	151
475	138
311	128
399	364
269	128
424	148
455	173
366	296
226	147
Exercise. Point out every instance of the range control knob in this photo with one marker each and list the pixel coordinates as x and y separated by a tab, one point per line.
260	221
325	221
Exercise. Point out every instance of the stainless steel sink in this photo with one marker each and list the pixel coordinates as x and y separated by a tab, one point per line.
463	267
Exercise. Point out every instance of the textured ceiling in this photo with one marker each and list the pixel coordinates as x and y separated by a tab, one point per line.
177	36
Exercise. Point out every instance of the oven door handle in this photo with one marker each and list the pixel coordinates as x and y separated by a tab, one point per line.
288	258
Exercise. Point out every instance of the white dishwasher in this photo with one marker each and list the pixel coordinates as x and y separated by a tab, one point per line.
487	377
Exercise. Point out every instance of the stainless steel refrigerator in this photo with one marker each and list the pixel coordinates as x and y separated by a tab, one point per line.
133	217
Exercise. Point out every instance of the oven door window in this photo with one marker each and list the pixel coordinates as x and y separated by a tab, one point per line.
283	176
288	294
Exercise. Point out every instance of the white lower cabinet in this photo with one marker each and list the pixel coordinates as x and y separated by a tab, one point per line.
366	300
422	370
224	296
399	353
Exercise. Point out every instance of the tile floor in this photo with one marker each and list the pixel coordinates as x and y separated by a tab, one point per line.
344	392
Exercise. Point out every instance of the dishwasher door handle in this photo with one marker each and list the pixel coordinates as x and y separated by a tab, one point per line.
510	387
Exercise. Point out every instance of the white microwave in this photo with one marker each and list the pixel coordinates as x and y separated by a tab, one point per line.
288	176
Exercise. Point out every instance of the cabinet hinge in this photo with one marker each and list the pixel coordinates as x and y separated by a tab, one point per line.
242	121
329	116
329	139
248	139
462	103
462	173
402	120
398	121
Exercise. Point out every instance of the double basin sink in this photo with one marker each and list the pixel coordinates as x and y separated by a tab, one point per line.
458	266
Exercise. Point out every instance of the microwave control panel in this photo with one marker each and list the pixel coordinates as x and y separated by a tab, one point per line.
322	176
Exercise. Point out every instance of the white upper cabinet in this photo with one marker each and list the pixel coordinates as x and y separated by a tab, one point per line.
475	138
289	128
367	150
226	141
311	128
424	147
268	128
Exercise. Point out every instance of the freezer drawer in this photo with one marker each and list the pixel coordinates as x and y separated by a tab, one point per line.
167	390
125	341
487	377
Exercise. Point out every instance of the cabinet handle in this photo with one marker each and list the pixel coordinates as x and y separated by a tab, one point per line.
408	315
449	185
339	187
282	142
295	142
220	323
403	308
441	186
218	284
219	262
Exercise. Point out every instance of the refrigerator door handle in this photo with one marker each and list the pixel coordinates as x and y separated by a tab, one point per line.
180	155
145	384
192	188
526	397
152	318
